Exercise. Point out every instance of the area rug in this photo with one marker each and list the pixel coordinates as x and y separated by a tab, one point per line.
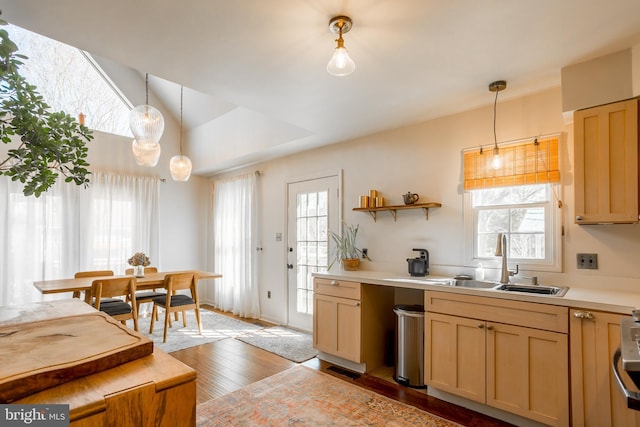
214	327
302	396
291	344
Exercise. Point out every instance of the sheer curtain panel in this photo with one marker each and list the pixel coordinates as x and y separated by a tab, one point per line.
70	228
235	231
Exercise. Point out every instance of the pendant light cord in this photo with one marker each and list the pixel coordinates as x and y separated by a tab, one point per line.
495	138
146	88
181	91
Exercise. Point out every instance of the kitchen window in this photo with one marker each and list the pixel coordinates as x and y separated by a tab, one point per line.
529	216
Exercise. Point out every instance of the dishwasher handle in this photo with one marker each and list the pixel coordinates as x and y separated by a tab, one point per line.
632	398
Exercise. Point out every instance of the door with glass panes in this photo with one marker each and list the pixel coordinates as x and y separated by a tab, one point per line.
312	211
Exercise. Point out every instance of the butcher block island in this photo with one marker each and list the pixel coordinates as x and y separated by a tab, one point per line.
106	373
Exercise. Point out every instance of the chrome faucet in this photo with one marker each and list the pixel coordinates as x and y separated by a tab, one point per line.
501	251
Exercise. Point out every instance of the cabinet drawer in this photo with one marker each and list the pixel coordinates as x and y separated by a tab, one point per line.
337	288
532	315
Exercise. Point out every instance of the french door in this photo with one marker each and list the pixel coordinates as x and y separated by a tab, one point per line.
313	209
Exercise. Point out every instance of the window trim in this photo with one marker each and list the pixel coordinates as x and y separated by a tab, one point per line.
553	239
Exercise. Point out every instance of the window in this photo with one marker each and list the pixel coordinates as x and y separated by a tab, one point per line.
71	81
526	214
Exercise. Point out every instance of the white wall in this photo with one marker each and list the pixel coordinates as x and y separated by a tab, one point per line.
426	159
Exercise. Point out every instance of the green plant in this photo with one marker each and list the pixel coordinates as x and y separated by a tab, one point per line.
50	143
345	244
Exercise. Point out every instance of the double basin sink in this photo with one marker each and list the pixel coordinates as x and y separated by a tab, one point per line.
557	291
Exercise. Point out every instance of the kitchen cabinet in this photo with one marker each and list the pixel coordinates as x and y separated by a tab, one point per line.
595	397
352	320
511	355
606	163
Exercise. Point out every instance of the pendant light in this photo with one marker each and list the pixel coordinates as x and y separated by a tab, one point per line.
496	87
180	165
341	63
147	126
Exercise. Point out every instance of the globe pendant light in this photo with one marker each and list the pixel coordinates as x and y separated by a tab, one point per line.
180	165
340	63
147	126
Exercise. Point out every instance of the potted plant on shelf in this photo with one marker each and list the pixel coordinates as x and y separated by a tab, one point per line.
346	251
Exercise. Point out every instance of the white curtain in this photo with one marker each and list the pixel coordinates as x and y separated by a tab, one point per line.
235	211
70	229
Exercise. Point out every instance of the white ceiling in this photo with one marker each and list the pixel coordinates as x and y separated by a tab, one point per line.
261	63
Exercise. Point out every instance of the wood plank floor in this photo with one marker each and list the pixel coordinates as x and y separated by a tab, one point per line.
229	364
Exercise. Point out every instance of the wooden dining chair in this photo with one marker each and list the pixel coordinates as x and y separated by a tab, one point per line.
92	273
143	297
111	296
174	302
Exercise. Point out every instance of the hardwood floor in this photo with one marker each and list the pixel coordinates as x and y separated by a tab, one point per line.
229	364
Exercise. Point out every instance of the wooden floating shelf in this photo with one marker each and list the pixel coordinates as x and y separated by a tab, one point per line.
395	208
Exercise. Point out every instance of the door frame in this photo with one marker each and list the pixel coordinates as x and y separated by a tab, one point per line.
326	174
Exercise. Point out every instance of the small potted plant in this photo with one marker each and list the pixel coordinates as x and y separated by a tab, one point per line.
139	261
346	250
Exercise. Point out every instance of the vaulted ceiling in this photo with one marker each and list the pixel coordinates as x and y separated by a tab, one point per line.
257	67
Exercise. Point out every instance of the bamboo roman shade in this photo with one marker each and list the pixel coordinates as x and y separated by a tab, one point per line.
534	161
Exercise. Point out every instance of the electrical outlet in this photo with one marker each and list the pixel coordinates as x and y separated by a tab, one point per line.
587	261
365	253
268	294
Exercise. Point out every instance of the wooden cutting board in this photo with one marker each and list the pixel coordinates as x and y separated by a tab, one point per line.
37	355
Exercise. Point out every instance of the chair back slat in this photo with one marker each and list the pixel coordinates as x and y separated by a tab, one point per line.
129	271
93	273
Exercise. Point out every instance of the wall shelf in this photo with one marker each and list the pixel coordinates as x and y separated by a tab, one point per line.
394	209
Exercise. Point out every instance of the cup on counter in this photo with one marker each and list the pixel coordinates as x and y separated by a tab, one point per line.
364	201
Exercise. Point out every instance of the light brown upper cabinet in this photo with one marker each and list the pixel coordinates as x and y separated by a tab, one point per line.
606	163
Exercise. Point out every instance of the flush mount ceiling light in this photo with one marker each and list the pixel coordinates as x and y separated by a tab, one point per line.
147	126
180	166
341	63
496	87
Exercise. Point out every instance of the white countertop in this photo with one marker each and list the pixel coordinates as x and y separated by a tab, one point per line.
591	299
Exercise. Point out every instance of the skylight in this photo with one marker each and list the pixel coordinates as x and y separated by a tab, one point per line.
71	81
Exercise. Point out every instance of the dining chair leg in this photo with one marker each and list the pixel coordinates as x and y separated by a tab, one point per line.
167	315
154	313
184	319
197	310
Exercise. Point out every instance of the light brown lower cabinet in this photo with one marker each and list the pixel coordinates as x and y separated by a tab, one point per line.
509	355
595	397
350	320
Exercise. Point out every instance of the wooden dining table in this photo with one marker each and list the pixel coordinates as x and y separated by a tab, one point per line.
83	284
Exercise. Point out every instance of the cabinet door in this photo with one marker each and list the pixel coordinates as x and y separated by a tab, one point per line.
606	163
455	355
596	399
528	372
337	326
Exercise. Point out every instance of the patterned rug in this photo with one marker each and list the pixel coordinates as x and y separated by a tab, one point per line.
214	327
291	344
302	396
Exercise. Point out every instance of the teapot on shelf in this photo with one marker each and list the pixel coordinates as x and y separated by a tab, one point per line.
410	198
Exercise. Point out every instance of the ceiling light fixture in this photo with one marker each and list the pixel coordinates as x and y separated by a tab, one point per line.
496	87
180	165
147	126
341	63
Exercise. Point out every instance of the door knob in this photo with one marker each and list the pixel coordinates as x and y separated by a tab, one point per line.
290	266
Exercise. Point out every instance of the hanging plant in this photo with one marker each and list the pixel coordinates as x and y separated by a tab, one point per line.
49	143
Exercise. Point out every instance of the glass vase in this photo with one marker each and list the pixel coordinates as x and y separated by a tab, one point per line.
138	270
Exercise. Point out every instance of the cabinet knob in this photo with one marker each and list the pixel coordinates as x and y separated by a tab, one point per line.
583	315
334	283
579	218
357	304
489	328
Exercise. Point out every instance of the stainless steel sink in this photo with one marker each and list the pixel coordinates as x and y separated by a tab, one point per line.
481	284
557	291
